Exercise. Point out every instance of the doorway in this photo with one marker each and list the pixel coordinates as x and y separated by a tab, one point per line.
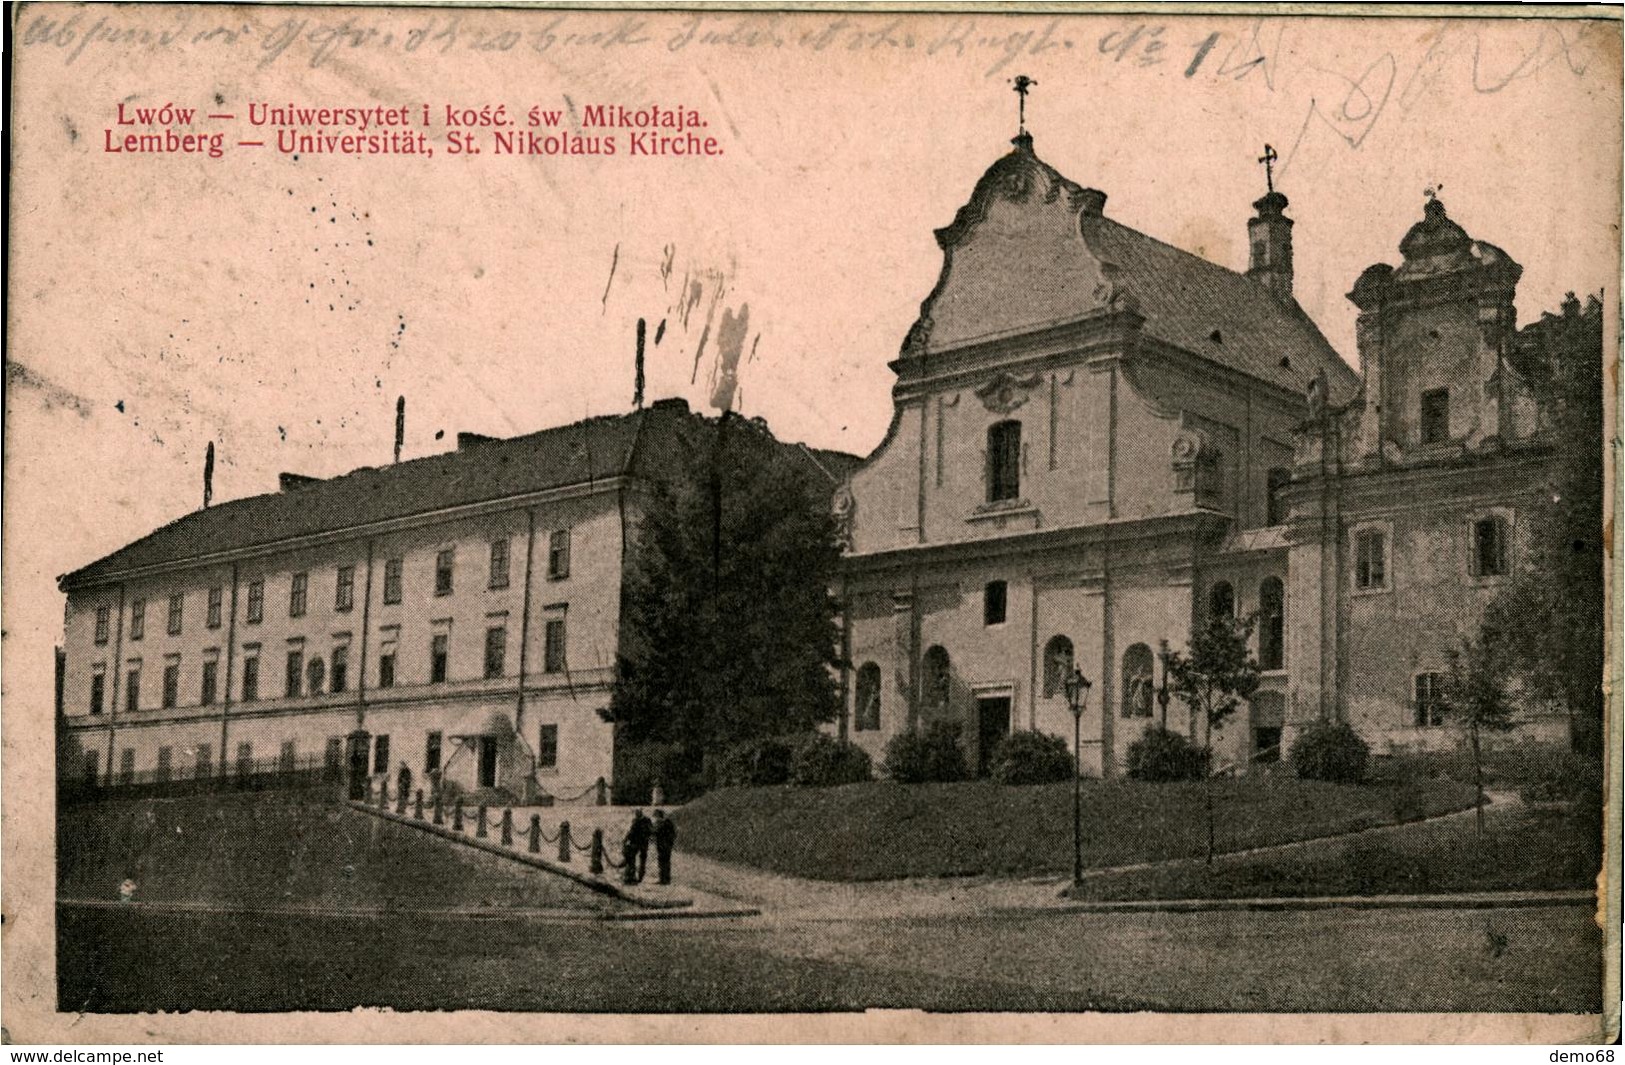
992	725
488	761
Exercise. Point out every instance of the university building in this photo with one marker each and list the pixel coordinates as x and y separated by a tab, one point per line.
458	614
1098	440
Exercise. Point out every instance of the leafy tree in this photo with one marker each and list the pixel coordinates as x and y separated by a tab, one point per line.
728	627
1550	620
1214	677
1475	698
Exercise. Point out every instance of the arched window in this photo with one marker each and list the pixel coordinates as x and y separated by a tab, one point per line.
316	675
1490	547
1057	665
1003	461
935	686
1221	601
1137	681
1279	477
1271	623
866	705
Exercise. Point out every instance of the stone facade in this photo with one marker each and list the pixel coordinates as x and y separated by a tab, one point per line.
457	614
1098	438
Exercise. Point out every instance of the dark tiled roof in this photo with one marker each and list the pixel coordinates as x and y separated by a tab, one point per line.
1219	314
647	443
597	448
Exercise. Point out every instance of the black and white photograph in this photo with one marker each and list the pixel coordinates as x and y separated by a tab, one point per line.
872	521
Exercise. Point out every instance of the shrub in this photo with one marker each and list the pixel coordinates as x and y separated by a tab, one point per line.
824	762
916	757
639	767
1031	758
1330	750
754	763
1553	774
1160	754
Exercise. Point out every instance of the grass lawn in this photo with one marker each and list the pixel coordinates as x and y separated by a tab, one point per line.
1523	849
883	830
286	849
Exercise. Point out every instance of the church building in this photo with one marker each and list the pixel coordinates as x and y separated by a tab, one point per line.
1099	439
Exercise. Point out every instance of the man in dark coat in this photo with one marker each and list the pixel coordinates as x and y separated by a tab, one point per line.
629	852
642	829
665	831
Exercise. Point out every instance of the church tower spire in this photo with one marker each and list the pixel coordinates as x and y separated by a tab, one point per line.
1269	236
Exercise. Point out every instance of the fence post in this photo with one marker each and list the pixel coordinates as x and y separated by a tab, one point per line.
383	794
564	841
480	831
507	828
596	864
603	792
457	816
417	810
535	833
400	802
439	808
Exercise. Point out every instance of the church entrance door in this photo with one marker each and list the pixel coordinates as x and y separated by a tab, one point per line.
992	725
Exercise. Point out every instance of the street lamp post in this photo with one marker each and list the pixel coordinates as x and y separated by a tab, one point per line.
1163	695
1077	697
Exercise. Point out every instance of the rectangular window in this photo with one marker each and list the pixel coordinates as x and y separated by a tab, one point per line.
217	596
380	754
558	555
203	761
256	610
138	619
994	602
333	756
386	669
296	673
1436	416
553	646
172	685
177	604
340	672
431	752
245	759
496	647
297	594
1004	461
1490	547
547	747
251	679
344	590
1429	705
443	563
392	581
102	614
1370	560
166	763
211	680
1276	484
126	766
438	650
499	564
289	757
98	691
132	690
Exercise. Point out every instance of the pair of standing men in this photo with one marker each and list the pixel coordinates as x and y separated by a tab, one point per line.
635	847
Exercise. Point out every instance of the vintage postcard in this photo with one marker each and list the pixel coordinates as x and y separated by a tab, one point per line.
827	524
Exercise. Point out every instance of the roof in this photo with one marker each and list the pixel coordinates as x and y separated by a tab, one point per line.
1032	248
644	444
1225	317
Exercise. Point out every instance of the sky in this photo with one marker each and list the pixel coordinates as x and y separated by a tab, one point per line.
277	306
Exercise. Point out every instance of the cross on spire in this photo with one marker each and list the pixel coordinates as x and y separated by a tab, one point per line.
1268	159
1023	85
